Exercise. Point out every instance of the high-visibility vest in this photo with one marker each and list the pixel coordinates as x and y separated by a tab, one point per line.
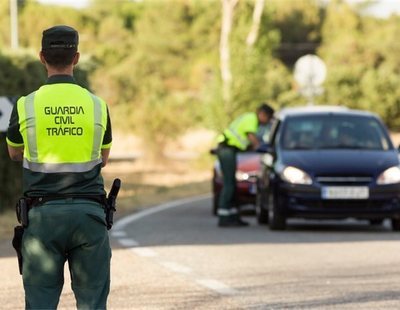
236	134
62	126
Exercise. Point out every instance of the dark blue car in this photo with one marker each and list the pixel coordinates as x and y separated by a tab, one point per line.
328	163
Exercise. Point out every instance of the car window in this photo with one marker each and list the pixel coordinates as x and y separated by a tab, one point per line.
334	132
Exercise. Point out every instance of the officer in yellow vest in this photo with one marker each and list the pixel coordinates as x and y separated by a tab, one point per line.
62	134
239	136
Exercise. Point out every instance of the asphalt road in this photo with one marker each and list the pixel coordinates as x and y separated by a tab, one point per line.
312	265
175	257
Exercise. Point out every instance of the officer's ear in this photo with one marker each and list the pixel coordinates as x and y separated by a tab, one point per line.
76	58
42	60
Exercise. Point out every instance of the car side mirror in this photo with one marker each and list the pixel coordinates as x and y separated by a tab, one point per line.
267	159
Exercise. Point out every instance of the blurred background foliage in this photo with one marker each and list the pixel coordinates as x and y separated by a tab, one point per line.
156	63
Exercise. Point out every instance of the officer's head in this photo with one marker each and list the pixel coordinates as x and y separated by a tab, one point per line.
264	113
60	47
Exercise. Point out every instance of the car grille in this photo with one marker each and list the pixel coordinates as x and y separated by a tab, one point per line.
344	180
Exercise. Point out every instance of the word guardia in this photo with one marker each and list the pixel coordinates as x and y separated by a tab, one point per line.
64	116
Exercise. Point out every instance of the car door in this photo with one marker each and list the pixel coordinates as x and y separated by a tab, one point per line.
266	171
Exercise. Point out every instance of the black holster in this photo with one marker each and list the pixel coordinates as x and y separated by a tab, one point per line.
110	203
22	209
17	244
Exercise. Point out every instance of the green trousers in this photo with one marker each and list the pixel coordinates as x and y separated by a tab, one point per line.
70	230
227	160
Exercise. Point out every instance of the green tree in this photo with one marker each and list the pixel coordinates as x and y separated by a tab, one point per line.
254	69
158	75
340	50
363	69
299	24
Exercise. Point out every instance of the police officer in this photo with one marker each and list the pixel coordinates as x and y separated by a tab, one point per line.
239	136
62	133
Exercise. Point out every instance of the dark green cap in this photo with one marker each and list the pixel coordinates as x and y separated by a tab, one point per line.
60	37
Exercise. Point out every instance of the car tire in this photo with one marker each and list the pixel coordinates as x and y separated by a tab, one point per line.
376	222
396	224
261	210
277	220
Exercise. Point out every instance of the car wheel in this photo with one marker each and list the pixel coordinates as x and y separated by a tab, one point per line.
277	221
396	224
261	210
376	222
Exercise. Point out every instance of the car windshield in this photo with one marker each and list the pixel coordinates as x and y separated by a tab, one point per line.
334	131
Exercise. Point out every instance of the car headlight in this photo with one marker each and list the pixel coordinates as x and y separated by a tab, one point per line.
389	176
249	176
242	176
296	176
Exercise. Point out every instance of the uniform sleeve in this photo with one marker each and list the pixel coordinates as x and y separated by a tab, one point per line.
14	137
107	139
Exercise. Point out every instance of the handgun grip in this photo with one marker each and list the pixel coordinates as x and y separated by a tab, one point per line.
115	188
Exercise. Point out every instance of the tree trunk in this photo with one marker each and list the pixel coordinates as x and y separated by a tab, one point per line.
257	14
224	51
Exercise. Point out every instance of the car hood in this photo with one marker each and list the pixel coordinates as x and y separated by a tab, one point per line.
341	162
248	162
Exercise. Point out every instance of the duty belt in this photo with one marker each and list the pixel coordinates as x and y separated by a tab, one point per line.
38	201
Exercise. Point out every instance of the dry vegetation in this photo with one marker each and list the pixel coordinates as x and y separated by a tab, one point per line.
185	170
146	184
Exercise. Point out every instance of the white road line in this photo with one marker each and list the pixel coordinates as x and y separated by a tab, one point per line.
120	225
217	286
145	252
211	284
118	233
176	267
128	242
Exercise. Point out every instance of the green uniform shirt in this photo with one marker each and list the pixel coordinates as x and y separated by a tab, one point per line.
69	183
236	134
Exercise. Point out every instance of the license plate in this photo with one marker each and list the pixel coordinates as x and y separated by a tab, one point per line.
345	192
253	189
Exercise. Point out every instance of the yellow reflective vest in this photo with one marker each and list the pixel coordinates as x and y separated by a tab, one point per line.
236	134
62	126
